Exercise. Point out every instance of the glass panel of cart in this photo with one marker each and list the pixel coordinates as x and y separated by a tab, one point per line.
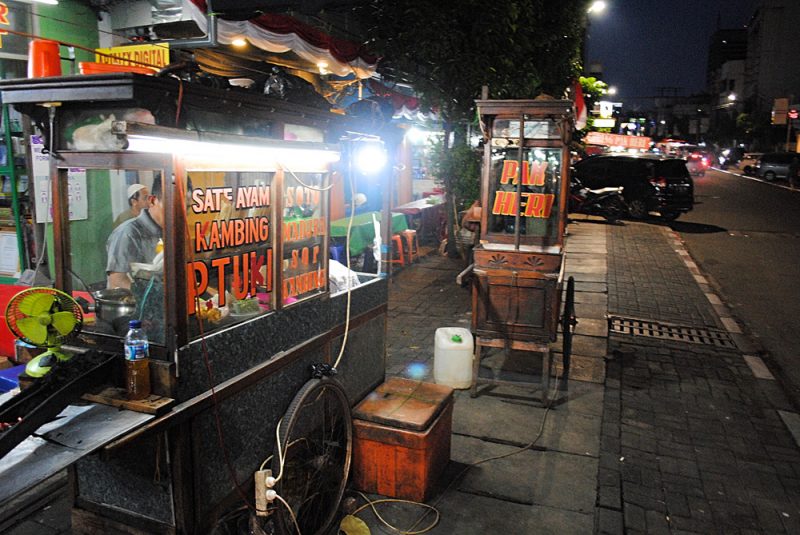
538	203
116	218
305	224
230	278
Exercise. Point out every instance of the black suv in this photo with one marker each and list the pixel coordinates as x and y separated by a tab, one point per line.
652	183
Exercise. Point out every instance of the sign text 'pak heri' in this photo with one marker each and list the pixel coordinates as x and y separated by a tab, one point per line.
538	205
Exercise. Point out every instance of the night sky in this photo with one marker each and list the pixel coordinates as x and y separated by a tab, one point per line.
647	44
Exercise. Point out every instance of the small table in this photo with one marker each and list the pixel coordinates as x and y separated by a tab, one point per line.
430	213
363	232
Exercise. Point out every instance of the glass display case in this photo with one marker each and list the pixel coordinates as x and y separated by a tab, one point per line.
232	217
524	180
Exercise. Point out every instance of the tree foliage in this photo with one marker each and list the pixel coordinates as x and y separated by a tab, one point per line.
448	49
463	164
593	89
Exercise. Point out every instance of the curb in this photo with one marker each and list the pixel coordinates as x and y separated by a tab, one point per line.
743	342
747	346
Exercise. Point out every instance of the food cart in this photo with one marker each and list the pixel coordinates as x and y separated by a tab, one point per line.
518	269
235	300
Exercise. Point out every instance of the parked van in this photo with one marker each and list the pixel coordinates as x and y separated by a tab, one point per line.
651	183
774	165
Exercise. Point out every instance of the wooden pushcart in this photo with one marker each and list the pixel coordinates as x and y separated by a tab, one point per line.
518	269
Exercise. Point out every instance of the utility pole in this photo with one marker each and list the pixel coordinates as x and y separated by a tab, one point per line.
791	115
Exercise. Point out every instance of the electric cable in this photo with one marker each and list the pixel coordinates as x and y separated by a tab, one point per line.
40	258
429	508
372	503
281	457
292	443
89	28
347	257
307	186
145	296
291	513
278	445
79	47
207	361
528	446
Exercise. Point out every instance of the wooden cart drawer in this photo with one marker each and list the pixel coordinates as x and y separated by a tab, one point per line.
517	260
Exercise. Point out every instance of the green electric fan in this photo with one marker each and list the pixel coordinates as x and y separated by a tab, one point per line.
44	317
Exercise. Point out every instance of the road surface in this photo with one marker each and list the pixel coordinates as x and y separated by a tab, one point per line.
745	234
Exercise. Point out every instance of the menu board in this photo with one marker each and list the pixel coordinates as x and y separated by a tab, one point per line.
536	195
76	186
305	224
230	268
9	253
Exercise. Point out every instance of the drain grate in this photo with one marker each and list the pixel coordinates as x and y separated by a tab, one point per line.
670	331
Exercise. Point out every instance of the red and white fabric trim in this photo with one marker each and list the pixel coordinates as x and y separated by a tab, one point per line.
280	33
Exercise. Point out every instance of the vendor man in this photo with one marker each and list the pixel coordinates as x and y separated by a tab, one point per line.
135	240
137	200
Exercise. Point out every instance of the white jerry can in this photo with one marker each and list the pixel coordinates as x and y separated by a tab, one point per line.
452	357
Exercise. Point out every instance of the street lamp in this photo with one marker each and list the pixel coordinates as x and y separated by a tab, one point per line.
596	7
611	90
732	97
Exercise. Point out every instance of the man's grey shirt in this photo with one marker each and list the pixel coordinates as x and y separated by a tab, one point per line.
134	240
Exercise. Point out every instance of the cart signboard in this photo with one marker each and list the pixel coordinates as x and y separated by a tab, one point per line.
526	162
535	201
304	236
230	229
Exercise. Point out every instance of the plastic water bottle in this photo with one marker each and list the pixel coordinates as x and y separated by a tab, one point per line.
137	363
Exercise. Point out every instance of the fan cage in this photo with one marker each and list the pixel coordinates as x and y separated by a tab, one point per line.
62	303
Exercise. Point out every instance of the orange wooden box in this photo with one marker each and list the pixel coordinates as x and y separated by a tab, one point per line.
401	439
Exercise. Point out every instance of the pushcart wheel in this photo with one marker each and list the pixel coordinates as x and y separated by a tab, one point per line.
568	323
315	437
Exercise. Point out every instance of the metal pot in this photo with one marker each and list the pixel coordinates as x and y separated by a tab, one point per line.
114	303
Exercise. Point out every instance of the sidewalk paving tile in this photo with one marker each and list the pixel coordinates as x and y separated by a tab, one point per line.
517	421
702	444
550	478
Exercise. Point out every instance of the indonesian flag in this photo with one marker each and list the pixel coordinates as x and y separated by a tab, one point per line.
580	106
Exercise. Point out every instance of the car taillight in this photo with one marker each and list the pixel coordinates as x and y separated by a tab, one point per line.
659	182
705	162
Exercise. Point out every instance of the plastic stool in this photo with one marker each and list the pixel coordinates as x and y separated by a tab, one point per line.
337	253
412	245
397	246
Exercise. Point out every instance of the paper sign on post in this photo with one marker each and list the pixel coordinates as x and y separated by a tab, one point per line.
76	186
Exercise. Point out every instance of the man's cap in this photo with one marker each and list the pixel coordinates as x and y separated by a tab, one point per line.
134	189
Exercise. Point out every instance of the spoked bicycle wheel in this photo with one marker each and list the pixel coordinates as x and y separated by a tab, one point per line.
568	323
315	437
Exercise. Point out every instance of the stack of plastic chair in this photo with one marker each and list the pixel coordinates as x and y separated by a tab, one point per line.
412	245
396	249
